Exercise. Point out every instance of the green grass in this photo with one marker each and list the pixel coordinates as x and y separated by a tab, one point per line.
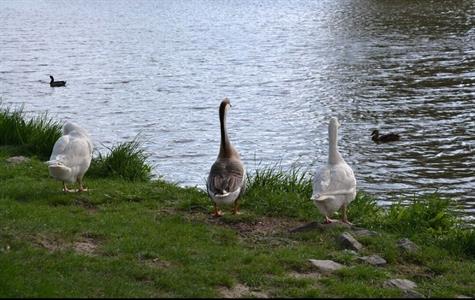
126	160
273	191
35	136
131	236
150	238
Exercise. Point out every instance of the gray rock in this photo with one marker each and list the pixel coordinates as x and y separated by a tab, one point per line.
407	245
412	294
320	226
351	252
347	241
374	260
15	160
362	232
402	284
326	266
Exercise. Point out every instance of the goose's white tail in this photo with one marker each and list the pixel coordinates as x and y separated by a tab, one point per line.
58	170
224	194
318	197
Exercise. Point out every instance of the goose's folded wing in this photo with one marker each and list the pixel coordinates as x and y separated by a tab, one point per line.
227	177
60	147
79	151
343	178
236	175
321	181
89	145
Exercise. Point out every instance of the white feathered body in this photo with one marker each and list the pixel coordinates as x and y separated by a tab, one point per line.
71	155
333	186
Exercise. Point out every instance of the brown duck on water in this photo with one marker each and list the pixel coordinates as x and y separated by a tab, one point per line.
384	138
227	177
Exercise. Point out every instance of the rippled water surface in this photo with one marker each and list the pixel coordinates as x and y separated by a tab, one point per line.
162	67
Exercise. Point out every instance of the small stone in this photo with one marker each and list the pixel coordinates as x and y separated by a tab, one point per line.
347	241
412	294
15	160
362	232
320	226
402	284
374	260
326	266
407	245
351	252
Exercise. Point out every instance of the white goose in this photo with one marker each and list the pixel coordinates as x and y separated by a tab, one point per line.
227	177
334	185
71	156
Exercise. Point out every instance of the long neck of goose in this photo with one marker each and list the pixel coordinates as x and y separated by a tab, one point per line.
334	156
225	148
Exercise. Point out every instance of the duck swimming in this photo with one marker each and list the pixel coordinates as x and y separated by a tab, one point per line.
53	83
227	177
334	184
384	138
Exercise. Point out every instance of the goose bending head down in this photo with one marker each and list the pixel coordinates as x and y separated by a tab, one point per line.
71	156
334	184
227	177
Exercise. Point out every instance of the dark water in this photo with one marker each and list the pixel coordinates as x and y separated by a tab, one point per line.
161	68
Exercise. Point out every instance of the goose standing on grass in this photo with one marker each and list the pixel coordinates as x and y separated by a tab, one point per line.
71	156
334	185
53	83
384	138
227	177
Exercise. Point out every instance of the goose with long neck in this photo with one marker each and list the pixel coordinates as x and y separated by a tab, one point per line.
227	177
334	184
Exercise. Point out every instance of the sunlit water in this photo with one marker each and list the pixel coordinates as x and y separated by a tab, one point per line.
161	68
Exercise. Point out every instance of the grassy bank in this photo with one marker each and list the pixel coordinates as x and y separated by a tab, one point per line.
154	239
136	237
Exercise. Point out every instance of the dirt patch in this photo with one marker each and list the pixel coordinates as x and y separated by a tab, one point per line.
49	243
312	275
240	291
269	230
261	226
85	203
15	160
158	263
417	271
265	230
85	246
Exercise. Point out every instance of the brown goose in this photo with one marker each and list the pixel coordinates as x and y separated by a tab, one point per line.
53	83
227	177
384	138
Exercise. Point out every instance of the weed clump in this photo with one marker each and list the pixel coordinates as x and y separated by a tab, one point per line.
35	136
126	160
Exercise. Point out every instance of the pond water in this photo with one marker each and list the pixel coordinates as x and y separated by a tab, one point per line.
161	68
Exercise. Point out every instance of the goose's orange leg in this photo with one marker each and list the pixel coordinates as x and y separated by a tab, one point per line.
236	207
217	212
345	217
